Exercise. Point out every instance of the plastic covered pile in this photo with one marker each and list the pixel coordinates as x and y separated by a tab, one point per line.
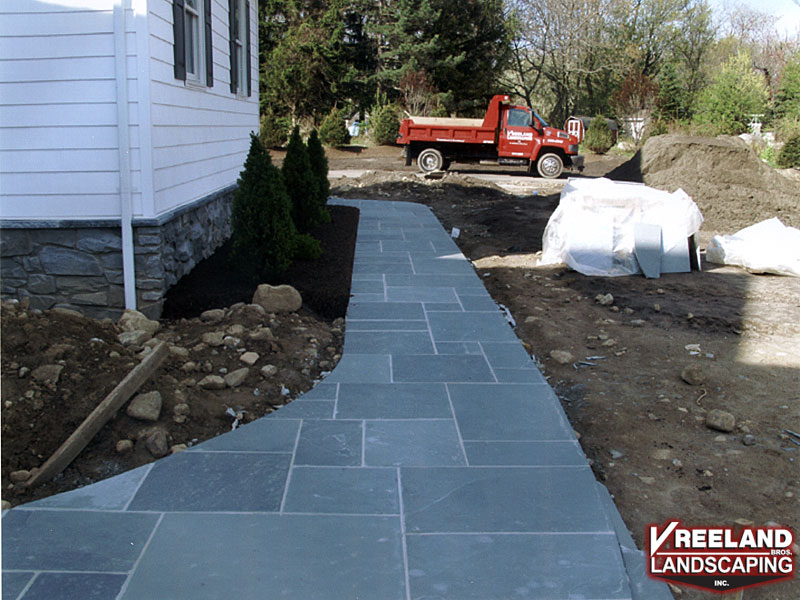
766	247
592	230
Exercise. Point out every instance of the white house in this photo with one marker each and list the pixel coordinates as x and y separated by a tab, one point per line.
123	127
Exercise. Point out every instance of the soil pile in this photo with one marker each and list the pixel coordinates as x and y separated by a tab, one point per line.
732	186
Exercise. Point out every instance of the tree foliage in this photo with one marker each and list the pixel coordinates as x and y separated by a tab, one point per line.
319	167
333	130
599	138
384	124
736	92
790	154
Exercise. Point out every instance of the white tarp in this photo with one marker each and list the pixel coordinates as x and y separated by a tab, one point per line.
766	247
592	230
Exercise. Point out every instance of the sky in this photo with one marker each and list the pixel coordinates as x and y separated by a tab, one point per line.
788	11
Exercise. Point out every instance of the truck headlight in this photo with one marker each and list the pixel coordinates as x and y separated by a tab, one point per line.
573	149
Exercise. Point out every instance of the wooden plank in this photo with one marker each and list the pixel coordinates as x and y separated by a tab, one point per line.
94	422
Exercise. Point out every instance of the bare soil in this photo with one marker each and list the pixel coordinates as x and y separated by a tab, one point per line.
642	426
39	415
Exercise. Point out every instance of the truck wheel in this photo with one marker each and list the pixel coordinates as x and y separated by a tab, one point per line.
550	166
430	160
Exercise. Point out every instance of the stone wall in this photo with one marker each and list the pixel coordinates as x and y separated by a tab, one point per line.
78	265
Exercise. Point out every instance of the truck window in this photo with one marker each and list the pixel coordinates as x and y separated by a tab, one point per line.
518	118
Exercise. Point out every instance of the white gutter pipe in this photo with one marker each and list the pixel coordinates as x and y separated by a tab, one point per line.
124	147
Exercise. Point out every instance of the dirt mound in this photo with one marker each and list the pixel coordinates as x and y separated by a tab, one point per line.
730	184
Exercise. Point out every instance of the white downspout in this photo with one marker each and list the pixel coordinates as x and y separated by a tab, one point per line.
124	146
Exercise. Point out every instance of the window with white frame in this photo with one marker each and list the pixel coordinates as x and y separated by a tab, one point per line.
240	46
192	44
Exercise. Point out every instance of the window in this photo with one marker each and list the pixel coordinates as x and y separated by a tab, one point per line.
518	118
192	43
240	46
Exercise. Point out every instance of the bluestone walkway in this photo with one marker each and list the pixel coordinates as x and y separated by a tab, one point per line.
434	462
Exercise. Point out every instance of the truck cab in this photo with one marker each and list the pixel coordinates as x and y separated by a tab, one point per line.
507	135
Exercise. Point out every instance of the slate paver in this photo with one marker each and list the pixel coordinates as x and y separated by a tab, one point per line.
434	462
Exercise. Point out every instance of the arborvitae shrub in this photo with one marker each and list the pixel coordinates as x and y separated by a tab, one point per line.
274	130
384	124
790	154
264	236
598	137
302	185
333	129
319	166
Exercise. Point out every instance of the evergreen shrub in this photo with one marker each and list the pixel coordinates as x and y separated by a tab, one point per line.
385	124
302	186
790	154
274	130
319	167
264	236
333	129
598	137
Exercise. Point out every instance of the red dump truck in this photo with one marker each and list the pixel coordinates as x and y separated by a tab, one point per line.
507	135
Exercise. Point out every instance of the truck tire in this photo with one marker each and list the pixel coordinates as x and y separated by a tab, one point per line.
430	160
550	165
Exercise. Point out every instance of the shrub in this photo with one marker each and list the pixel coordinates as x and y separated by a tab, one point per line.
274	130
385	124
319	167
790	154
263	232
333	129
302	185
598	137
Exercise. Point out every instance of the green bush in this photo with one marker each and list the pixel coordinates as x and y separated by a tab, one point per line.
598	137
319	167
384	124
333	129
790	154
274	130
302	185
264	236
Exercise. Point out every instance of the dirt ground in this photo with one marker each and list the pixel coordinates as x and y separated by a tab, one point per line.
642	426
58	366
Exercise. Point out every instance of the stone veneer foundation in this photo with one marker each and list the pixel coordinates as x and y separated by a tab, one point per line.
78	264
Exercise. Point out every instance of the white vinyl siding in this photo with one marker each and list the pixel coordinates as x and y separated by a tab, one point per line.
58	110
59	156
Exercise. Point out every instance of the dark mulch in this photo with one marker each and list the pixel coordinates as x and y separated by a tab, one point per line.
324	283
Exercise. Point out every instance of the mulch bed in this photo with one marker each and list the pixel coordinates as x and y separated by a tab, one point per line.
324	283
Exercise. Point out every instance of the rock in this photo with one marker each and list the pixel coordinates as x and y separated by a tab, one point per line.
145	407
20	476
236	330
47	374
269	370
657	307
647	480
616	454
662	454
6	505
749	440
213	338
249	358
720	420
181	409
610	342
133	320
262	335
562	357
693	374
231	341
188	367
124	446
604	299
637	323
253	313
277	299
134	338
237	377
212	382
215	315
156	443
177	448
179	419
179	351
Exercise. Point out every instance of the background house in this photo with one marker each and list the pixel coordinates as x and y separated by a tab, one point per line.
123	127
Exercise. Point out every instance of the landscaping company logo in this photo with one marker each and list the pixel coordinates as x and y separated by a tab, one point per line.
719	559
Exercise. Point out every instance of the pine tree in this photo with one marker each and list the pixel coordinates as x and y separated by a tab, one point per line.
319	167
598	136
302	185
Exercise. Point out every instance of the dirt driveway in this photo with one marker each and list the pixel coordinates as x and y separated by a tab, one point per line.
642	425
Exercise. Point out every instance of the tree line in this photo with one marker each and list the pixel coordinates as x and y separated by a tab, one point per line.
666	61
